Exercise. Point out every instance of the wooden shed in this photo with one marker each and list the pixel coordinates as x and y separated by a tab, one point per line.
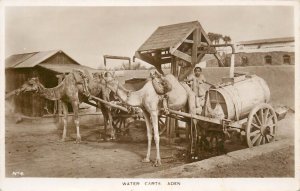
45	65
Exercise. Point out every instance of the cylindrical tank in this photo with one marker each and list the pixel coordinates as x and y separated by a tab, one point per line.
238	98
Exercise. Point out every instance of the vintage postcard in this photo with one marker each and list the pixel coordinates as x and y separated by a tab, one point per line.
175	95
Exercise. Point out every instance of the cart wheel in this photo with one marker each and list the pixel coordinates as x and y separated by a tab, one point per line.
119	124
262	125
119	121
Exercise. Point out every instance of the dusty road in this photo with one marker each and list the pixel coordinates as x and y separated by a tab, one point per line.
276	164
34	150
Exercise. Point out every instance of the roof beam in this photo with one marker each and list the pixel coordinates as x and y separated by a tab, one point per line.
208	50
182	55
144	57
200	58
149	59
165	61
188	41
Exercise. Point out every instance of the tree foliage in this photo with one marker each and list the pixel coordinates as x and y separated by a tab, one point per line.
226	39
215	38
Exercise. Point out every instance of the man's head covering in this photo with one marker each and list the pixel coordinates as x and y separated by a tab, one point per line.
196	67
200	65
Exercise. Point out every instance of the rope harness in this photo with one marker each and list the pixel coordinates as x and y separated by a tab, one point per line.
84	82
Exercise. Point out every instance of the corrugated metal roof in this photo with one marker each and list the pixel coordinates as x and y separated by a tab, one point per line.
29	60
168	36
16	59
266	41
36	59
66	68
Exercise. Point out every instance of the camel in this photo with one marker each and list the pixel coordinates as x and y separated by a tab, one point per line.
75	88
149	101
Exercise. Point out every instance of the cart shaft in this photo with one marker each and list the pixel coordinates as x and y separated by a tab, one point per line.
109	104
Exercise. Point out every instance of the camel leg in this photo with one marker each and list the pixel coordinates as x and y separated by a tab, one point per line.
112	131
65	111
75	106
105	126
103	136
105	129
154	120
149	136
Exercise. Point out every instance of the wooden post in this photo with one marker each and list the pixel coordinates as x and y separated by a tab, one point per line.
199	38
171	122
231	70
173	63
195	46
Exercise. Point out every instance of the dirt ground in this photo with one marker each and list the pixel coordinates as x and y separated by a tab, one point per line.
34	150
276	164
279	163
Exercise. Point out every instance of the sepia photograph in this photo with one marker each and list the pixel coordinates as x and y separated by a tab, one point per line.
149	95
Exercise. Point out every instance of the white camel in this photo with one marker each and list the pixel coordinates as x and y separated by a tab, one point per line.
150	102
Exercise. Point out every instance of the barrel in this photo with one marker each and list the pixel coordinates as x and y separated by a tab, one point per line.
238	98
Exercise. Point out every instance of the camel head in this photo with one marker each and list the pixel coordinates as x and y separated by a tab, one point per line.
31	85
110	81
98	77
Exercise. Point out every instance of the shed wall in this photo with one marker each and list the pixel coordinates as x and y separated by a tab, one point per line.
32	104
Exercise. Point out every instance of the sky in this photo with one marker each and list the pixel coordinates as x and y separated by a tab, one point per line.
88	33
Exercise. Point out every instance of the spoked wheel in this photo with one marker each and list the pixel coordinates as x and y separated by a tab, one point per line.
120	121
119	124
216	142
262	125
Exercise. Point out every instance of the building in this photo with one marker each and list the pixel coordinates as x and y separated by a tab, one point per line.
45	65
274	51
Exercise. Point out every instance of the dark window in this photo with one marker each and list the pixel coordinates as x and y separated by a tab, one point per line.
244	61
268	59
286	59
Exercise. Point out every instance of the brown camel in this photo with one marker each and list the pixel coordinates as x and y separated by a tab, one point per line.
149	101
74	91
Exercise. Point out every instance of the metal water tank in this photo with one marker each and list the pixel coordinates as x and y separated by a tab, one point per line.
239	95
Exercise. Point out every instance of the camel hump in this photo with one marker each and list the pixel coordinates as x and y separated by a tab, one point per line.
82	77
160	83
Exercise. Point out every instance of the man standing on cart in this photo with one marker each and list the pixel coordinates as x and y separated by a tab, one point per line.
198	86
197	79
